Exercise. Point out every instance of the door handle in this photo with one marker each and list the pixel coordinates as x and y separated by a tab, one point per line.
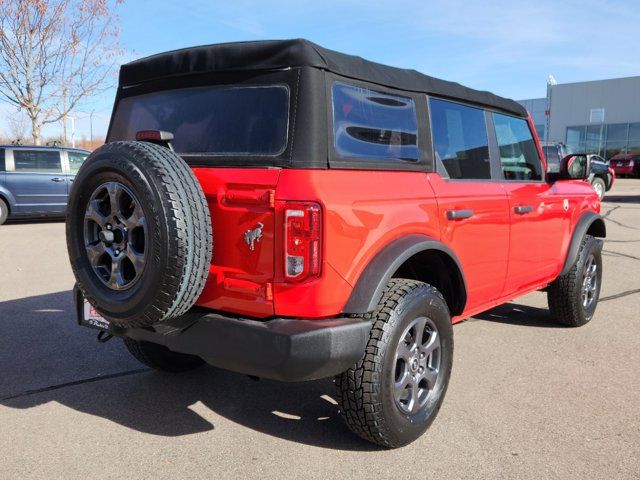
459	214
523	209
57	179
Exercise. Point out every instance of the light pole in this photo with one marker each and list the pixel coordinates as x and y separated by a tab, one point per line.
551	81
91	126
73	130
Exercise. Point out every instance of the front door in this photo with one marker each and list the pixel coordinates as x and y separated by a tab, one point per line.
539	222
473	210
36	180
74	162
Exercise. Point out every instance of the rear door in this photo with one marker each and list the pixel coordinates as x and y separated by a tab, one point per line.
473	210
36	180
539	221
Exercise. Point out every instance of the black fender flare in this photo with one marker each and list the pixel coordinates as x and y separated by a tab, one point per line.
586	221
368	289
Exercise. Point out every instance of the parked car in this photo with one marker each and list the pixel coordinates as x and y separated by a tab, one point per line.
626	164
602	176
290	212
35	181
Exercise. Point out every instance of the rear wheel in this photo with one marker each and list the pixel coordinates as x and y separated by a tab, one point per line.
161	358
393	394
138	233
573	297
4	211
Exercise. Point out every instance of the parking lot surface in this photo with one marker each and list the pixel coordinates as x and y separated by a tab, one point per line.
527	399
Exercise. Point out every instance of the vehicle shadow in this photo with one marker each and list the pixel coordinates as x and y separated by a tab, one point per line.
517	314
45	357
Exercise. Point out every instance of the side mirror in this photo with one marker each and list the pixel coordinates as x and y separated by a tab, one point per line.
576	166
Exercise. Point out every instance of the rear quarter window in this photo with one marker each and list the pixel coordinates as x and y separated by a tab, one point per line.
373	125
2	162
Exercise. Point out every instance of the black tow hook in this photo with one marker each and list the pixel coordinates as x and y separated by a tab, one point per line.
104	337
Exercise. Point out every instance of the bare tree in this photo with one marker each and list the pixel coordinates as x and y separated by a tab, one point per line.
54	54
18	125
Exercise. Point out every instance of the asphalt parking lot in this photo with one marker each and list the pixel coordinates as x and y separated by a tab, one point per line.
527	399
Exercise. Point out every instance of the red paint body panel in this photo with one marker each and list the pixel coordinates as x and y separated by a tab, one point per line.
240	199
363	212
502	254
536	237
480	242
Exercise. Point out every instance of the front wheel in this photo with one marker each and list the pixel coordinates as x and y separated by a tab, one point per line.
393	394
599	186
4	211
573	297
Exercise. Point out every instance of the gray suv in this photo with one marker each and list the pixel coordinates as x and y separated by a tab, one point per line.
35	181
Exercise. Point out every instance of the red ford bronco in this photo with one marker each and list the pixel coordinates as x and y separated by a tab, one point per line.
290	212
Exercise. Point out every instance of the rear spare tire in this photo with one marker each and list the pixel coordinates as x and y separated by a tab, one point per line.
138	233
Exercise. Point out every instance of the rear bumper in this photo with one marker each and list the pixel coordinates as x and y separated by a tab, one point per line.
280	349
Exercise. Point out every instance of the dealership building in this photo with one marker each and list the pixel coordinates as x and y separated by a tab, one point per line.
601	116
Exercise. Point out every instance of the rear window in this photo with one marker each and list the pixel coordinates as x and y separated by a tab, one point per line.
210	120
374	125
37	161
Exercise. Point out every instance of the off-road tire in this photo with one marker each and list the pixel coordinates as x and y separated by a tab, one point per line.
564	294
161	358
179	245
600	187
364	392
4	211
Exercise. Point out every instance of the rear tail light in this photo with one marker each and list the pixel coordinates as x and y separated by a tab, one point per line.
303	241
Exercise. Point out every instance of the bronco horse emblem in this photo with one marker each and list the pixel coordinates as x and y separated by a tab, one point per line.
253	236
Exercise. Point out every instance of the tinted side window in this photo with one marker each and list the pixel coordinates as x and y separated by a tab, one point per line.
374	125
2	165
518	154
37	161
76	160
460	139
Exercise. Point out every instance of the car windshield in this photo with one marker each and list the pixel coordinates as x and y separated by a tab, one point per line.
210	120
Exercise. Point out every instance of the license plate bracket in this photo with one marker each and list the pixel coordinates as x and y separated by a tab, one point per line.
90	317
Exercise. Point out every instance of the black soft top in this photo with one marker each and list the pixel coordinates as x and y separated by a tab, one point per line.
281	54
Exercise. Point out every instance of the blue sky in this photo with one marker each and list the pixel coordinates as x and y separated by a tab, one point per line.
508	47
